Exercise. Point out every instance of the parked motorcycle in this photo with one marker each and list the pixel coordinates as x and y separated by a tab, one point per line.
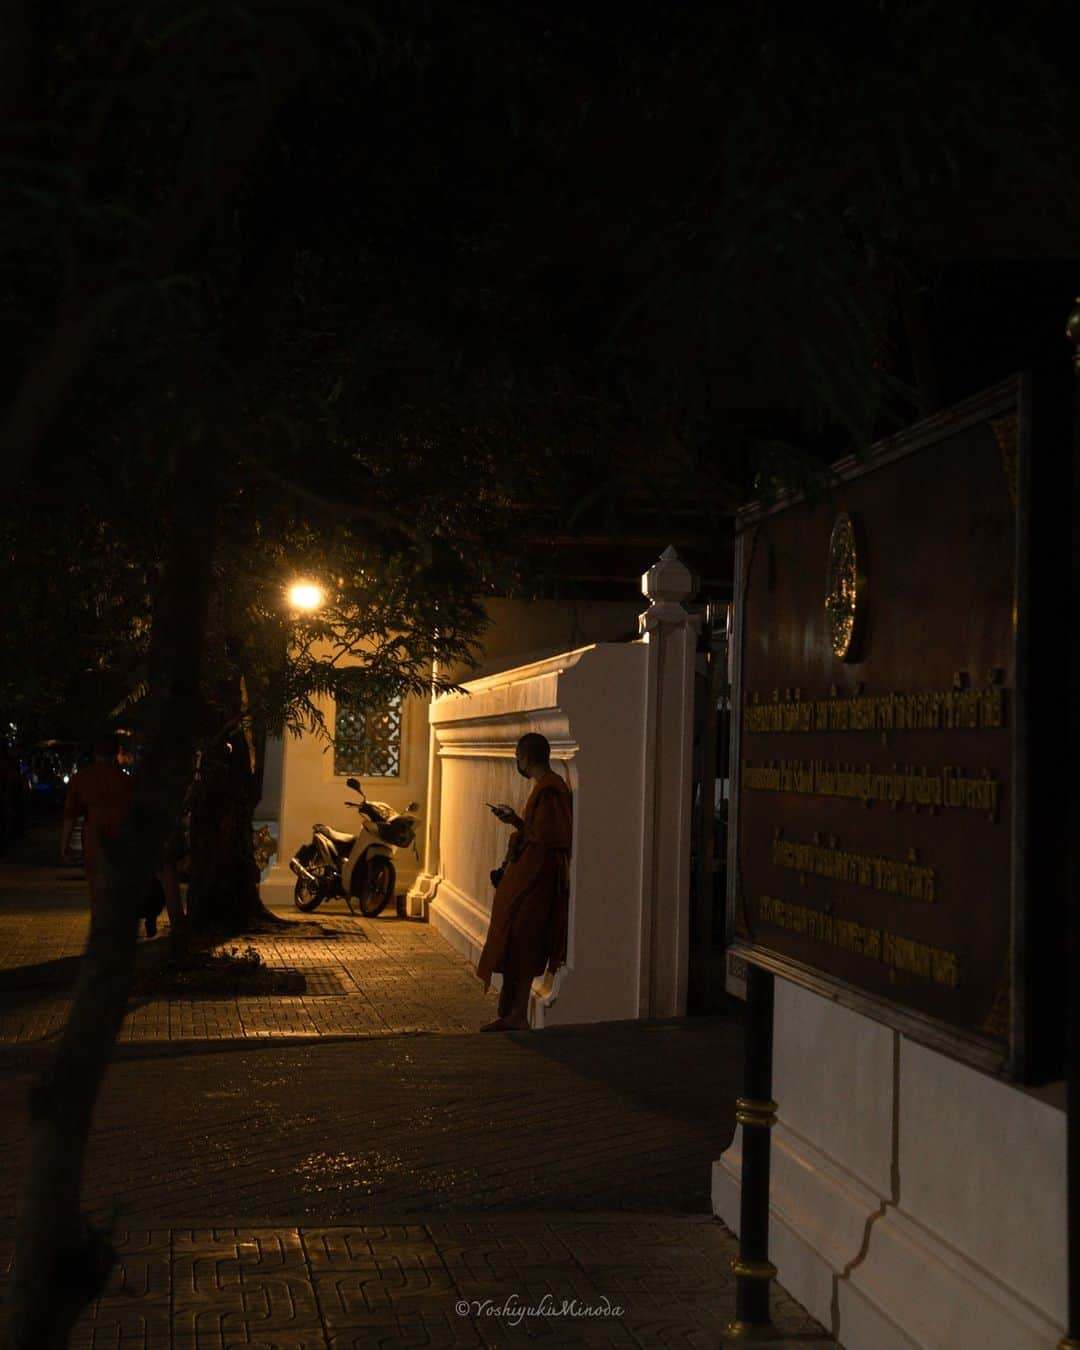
357	867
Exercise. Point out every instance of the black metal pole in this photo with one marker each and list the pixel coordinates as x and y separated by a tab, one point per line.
1071	1341
706	822
755	1111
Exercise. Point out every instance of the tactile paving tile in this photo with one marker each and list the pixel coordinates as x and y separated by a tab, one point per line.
366	1246
123	1326
495	1282
352	1298
268	1249
437	1332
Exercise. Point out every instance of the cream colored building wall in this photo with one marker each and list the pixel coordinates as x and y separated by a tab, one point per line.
522	631
311	791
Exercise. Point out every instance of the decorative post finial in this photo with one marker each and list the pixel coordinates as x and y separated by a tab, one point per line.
667	584
669	581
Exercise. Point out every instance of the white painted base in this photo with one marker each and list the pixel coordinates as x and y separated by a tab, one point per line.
276	888
916	1204
942	1298
460	920
420	895
820	1214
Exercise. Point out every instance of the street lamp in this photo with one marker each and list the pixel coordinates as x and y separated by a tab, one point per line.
305	595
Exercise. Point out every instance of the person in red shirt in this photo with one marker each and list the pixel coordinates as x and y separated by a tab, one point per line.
101	794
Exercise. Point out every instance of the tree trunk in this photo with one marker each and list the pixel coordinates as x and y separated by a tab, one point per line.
223	889
61	1261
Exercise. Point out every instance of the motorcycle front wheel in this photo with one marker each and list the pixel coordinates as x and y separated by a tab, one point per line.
307	895
377	886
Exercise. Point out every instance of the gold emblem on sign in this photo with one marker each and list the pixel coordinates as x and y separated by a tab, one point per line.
843	588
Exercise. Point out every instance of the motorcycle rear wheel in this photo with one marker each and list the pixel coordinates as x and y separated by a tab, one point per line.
307	895
377	887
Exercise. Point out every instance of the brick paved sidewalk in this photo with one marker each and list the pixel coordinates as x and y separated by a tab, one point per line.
478	1281
353	1192
365	977
355	1188
618	1116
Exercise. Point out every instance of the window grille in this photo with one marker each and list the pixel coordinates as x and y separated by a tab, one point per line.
367	739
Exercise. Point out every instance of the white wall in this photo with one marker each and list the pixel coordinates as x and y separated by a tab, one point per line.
618	717
589	704
916	1202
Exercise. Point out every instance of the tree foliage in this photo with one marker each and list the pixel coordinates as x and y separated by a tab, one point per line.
395	261
638	250
411	268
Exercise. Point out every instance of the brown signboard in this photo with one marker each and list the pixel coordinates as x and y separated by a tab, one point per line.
880	822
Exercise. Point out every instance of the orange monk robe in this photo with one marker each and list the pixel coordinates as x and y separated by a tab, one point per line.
527	934
101	793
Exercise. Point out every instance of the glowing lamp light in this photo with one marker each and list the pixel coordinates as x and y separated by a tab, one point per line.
305	595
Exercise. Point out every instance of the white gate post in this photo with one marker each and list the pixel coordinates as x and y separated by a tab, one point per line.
671	634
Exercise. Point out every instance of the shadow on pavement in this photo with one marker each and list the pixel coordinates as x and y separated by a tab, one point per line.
684	1067
60	973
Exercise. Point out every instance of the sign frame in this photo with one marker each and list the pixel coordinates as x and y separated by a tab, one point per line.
1034	1051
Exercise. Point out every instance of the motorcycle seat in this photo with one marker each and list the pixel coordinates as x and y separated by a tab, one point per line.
337	836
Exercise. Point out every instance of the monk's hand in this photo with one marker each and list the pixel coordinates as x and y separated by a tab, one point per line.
505	813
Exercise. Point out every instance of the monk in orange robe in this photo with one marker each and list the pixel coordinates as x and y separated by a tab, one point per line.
527	934
102	794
